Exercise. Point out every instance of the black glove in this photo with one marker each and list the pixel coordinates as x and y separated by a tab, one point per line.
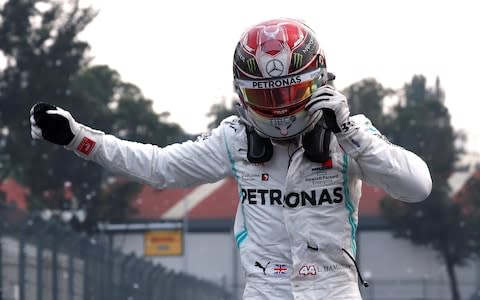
52	124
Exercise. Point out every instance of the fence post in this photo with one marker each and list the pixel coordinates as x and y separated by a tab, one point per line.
39	268
71	243
1	262
424	287
110	262
73	252
124	275
103	263
21	267
157	282
86	270
71	268
148	279
40	241
98	271
54	271
115	273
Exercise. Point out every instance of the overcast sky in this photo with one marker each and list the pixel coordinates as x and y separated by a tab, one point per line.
162	45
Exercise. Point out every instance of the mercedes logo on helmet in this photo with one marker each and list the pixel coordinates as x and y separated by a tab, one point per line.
274	68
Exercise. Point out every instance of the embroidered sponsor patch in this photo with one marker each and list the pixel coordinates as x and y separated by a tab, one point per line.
324	165
86	146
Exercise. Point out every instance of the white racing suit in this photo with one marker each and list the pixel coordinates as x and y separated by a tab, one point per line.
296	220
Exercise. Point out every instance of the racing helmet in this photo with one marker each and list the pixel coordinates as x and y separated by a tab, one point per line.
277	65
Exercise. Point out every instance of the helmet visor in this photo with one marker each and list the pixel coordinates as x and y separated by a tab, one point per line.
278	95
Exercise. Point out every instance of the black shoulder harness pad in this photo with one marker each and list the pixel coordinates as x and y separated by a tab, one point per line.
260	149
316	144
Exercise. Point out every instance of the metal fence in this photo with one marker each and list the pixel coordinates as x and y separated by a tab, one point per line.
46	260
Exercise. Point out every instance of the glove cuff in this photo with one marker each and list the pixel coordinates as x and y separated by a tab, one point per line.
86	141
360	136
351	138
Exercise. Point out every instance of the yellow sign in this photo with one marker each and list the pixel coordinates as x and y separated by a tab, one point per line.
163	243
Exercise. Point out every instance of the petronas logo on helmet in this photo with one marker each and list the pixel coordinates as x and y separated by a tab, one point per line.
297	60
251	65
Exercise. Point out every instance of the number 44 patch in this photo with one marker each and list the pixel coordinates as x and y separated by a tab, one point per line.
308	270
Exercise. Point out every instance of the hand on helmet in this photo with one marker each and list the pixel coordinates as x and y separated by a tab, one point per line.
334	106
52	124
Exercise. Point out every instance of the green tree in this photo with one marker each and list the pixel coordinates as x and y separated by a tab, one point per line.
100	99
469	198
367	97
46	61
38	42
422	123
220	111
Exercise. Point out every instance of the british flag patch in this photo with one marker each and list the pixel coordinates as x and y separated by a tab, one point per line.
280	269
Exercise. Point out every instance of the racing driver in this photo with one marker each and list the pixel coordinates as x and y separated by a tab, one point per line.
297	155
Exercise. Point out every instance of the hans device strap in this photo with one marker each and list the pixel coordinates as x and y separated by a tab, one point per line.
316	144
260	149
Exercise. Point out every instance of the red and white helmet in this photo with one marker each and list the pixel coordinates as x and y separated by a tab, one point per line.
277	66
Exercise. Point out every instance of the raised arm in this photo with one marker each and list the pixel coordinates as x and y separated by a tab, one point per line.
177	165
399	172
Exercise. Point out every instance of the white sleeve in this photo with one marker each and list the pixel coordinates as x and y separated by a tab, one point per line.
399	172
177	165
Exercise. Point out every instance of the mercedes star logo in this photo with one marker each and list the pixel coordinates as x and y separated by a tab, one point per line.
274	68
